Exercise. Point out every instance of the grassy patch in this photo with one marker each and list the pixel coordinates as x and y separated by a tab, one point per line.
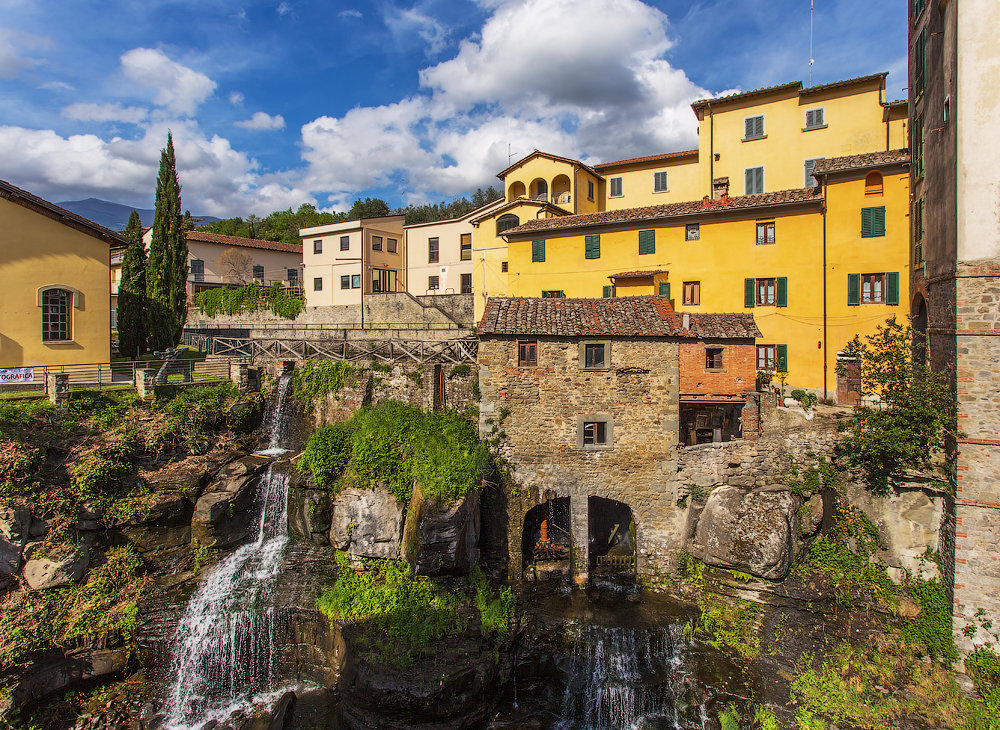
732	626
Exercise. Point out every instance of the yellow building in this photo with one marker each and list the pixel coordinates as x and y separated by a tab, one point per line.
55	266
815	265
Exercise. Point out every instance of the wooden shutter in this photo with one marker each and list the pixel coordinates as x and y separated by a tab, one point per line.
878	221
781	358
647	242
665	289
853	290
592	246
538	250
781	297
866	222
892	288
607	292
749	292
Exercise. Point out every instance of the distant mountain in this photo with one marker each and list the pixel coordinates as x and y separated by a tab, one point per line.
114	215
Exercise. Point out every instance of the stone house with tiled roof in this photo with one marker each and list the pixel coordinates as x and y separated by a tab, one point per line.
592	395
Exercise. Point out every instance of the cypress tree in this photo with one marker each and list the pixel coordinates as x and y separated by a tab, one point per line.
132	293
166	272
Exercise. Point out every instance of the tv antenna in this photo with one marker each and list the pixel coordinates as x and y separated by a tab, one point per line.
812	13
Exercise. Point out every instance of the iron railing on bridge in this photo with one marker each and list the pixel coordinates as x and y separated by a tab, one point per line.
121	374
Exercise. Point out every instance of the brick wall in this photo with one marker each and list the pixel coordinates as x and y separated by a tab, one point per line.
738	374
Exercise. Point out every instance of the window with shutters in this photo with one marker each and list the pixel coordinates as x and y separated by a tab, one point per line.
919	63
753	180
345	282
918	8
432	282
318	284
815	118
765	232
660	182
318	246
872	286
917	134
692	293
504	266
665	289
433	250
553	294
873	222
355	281
57	315
647	242
692	232
595	355
537	251
615	187
607	292
880	288
713	358
594	431
376	243
506	222
766	292
527	353
197	268
754	127
874	184
345	243
918	220
391	245
590	190
765	357
810	181
592	246
466	246
258	272
467	283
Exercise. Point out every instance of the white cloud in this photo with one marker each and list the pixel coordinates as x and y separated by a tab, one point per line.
14	47
178	88
86	112
236	98
262	121
351	14
405	23
283	9
57	86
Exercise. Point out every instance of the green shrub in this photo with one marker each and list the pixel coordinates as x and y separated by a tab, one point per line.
105	408
460	371
983	665
315	380
192	413
327	453
496	609
932	627
247	299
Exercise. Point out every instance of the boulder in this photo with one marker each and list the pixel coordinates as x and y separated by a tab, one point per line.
245	416
811	516
165	523
310	513
367	523
219	514
747	531
442	539
43	573
15	525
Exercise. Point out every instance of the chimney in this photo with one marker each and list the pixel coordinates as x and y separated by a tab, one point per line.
686	320
720	188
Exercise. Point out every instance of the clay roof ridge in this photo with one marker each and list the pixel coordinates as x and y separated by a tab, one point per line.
12	191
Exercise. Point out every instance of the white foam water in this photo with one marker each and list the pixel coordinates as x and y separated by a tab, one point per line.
276	425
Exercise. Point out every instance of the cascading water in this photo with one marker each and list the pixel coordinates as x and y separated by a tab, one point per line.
226	642
276	422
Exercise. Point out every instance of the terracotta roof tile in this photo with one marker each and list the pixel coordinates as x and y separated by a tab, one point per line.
669	210
791	85
614	317
206	237
649	158
860	162
637	274
13	192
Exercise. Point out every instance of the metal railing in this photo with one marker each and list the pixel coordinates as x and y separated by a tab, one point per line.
387	351
121	375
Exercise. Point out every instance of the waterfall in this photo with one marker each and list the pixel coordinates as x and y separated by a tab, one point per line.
276	423
622	677
226	644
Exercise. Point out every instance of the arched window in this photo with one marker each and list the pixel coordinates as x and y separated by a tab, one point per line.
506	222
873	183
57	321
539	189
516	191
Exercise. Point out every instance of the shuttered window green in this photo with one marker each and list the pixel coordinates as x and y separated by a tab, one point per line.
873	222
647	242
781	358
892	288
607	292
665	289
538	250
781	299
749	292
853	290
592	246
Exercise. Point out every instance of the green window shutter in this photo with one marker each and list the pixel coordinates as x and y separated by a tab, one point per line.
647	242
781	358
878	221
749	286
782	293
592	247
665	289
892	288
607	292
866	222
853	290
538	250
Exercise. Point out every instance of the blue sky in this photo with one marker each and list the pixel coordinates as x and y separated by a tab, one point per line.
277	102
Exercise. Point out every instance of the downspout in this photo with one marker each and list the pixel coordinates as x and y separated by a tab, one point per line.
826	359
711	148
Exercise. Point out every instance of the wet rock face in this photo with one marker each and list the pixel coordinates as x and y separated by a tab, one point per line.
15	524
442	539
747	531
219	512
367	523
310	513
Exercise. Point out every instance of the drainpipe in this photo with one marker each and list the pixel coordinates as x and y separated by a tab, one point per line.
825	357
711	148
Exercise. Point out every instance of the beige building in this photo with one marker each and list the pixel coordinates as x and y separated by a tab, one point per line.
55	266
344	261
439	254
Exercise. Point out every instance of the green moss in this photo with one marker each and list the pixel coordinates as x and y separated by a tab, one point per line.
247	299
732	626
932	628
459	371
314	381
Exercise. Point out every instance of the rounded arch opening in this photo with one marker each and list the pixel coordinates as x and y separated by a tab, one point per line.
515	191
873	183
561	189
612	537
918	322
545	539
506	222
539	189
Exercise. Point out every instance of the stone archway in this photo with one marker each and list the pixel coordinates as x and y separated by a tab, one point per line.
546	543
611	537
919	323
515	191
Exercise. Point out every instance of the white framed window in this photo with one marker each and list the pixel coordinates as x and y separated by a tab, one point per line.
808	165
754	127
615	187
660	182
594	431
753	180
815	118
57	315
432	282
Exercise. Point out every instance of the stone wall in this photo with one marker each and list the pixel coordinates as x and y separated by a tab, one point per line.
460	307
540	410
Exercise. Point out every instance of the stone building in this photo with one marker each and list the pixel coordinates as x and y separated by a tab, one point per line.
587	393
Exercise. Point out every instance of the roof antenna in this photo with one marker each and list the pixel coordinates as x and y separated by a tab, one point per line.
812	12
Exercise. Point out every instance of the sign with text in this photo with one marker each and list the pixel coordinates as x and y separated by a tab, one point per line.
16	375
